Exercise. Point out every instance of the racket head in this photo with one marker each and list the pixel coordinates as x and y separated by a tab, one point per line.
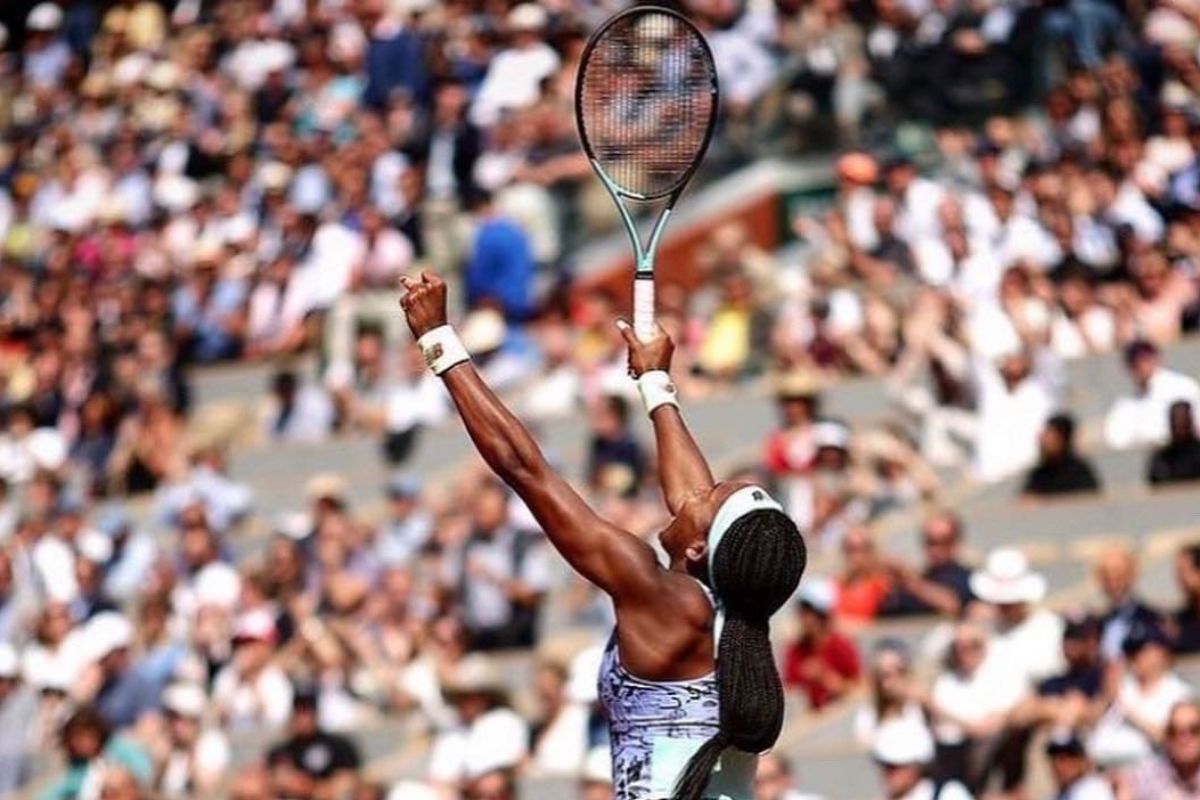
646	99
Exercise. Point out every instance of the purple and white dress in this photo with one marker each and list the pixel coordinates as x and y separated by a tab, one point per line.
656	726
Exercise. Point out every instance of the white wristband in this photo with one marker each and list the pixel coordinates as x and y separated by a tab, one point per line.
657	389
442	349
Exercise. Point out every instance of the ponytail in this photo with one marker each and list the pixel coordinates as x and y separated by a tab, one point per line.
756	568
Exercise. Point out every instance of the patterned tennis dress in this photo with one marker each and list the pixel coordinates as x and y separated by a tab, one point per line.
655	727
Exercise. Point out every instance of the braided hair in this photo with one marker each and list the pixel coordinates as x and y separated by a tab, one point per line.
755	569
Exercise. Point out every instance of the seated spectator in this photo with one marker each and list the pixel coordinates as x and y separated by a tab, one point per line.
1075	777
90	748
487	735
196	756
1015	398
894	693
904	754
1184	623
616	461
1027	638
773	780
1132	726
791	449
252	692
327	763
560	735
295	412
1067	699
1179	459
407	528
496	784
943	586
1141	419
1116	575
823	662
1059	469
18	712
864	582
1175	772
499	575
595	780
969	704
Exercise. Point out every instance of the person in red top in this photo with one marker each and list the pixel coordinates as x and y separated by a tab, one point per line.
865	581
791	448
823	663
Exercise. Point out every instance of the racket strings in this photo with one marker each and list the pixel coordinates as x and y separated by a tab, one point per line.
647	102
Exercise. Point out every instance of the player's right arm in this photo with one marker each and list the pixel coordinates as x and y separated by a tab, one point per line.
682	468
615	560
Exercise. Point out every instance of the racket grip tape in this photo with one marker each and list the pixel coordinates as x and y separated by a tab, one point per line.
643	308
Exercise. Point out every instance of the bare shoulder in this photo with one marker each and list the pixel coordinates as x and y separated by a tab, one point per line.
670	636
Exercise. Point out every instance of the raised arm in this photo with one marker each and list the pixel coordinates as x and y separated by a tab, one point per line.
615	560
682	468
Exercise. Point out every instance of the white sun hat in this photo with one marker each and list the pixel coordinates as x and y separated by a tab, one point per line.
185	699
1006	579
44	17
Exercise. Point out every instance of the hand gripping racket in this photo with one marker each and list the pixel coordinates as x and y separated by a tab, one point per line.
645	105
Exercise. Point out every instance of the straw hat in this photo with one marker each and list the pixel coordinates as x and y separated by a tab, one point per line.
798	383
476	674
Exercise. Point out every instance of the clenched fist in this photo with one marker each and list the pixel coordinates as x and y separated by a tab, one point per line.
424	303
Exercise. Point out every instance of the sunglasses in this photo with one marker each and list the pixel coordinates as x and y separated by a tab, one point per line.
1186	730
939	541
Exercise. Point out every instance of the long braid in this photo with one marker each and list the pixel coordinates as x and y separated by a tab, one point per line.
756	568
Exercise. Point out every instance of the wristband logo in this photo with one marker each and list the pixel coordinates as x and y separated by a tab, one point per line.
432	353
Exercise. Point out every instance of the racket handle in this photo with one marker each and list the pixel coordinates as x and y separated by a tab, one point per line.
643	308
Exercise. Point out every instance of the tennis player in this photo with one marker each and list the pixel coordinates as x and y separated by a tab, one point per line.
688	681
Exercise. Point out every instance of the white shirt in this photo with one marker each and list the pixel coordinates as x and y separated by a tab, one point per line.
994	688
1032	649
927	790
208	758
1089	787
423	402
858	208
495	740
917	216
1131	208
1009	422
1094	331
325	274
1141	419
744	67
1115	739
513	81
1024	239
265	702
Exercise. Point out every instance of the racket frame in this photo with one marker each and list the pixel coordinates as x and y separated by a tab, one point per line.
644	255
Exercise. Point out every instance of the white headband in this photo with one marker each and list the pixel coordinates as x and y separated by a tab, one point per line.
736	506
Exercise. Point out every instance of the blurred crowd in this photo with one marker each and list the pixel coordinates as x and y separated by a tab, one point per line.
203	181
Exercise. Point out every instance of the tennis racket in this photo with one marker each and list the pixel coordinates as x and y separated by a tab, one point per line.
645	104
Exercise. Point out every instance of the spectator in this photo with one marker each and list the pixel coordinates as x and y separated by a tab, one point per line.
1028	638
1175	770
1074	776
560	735
1185	622
595	782
1014	402
91	748
864	582
408	528
1142	418
616	461
326	762
1070	699
295	412
500	269
895	694
823	662
195	756
774	780
18	710
1116	574
1179	459
1059	469
499	575
1132	725
943	584
252	692
969	705
904	753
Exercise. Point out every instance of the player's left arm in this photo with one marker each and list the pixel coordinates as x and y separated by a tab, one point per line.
615	560
682	468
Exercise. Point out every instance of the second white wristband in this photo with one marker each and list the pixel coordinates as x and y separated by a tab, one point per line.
442	349
657	389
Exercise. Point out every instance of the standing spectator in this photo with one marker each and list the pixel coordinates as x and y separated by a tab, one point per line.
1116	574
328	762
1014	402
1074	776
1176	771
196	756
500	269
1179	459
823	662
1027	638
1141	419
1059	469
904	754
500	575
616	461
943	586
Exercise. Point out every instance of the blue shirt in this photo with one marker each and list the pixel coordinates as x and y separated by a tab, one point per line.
502	268
207	320
396	62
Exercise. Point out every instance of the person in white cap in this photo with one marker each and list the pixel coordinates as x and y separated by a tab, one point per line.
18	715
196	756
252	691
515	74
47	54
1027	637
904	753
688	680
